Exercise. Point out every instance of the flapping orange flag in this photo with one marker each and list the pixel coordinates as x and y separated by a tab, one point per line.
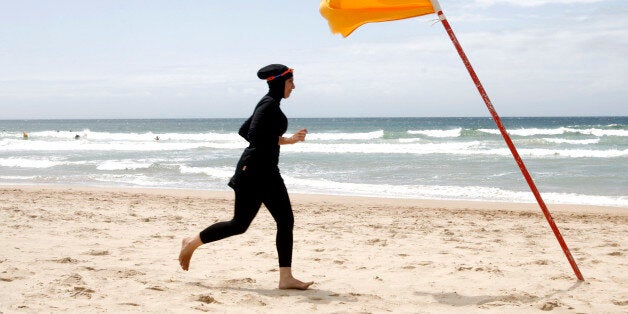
344	16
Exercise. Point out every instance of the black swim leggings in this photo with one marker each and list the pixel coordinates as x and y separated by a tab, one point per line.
273	194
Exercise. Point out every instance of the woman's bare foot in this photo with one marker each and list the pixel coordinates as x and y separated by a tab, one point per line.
188	246
287	281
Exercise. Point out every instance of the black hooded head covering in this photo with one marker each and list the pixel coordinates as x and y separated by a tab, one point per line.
276	76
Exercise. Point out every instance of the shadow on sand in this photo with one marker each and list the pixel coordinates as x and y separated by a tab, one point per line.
455	299
313	295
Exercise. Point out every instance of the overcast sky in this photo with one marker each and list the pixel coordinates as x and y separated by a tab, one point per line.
199	58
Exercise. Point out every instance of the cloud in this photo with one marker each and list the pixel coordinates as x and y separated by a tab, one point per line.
558	60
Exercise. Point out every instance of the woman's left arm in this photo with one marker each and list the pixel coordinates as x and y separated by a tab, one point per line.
299	136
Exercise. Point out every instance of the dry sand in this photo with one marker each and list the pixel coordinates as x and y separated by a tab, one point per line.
96	249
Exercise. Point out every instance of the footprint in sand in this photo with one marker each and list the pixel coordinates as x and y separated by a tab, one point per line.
128	273
239	281
365	296
72	280
97	252
206	298
522	297
492	270
250	299
14	274
72	284
66	260
264	254
549	306
156	288
379	242
81	292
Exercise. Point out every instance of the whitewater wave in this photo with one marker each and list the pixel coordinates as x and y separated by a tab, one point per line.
133	180
346	136
80	145
191	137
15	178
438	133
408	146
111	165
574	142
29	163
147	136
559	131
453	148
216	172
443	192
384	148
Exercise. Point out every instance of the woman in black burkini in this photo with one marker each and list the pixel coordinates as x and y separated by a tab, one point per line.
257	179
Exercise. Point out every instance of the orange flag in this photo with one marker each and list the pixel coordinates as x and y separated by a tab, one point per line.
344	16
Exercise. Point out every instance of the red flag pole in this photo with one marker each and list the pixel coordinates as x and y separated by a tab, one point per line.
506	137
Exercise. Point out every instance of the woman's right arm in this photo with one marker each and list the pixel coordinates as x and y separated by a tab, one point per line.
299	136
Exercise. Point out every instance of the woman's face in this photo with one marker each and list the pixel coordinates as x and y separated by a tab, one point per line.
288	87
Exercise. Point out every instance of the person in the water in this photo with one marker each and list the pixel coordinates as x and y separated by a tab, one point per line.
257	179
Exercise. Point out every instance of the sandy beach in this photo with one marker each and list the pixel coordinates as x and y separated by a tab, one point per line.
115	250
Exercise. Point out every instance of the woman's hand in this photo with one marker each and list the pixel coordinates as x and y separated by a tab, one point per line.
299	136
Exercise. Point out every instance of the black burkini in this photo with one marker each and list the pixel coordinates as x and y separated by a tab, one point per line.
257	179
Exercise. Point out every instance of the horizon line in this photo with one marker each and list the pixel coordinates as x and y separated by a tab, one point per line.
326	117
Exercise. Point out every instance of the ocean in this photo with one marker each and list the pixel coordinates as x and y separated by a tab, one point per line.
573	160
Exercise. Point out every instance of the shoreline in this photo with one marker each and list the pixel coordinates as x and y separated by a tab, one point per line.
68	248
309	197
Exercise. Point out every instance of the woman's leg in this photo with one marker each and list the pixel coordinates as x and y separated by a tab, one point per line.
246	207
277	201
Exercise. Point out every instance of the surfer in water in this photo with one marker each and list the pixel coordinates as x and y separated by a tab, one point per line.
257	180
